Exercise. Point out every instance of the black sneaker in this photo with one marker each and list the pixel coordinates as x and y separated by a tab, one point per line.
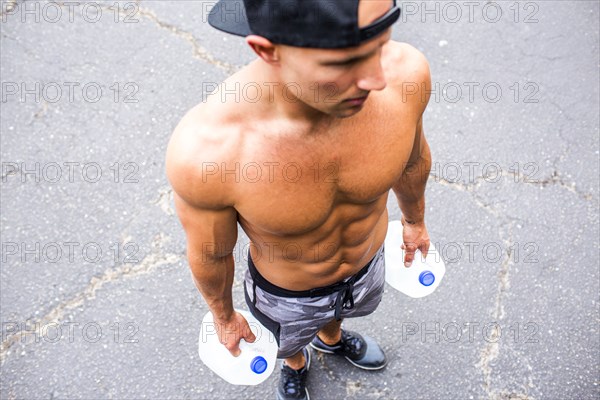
292	383
362	351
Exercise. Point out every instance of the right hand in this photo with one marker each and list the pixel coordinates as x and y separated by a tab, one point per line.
231	331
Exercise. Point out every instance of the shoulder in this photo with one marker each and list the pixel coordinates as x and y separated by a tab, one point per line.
202	143
404	63
407	72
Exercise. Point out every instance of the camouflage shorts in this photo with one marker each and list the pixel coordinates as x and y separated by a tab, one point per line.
295	320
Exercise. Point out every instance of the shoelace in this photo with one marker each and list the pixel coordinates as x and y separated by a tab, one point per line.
352	343
294	380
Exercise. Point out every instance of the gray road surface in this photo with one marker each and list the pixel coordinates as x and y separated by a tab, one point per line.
96	296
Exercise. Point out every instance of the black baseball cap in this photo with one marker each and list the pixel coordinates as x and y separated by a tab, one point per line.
325	24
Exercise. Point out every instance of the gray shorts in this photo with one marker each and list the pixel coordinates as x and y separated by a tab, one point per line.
295	317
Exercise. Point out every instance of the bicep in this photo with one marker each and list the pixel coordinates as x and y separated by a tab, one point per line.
211	233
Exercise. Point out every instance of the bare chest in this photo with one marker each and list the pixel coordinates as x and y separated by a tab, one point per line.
291	186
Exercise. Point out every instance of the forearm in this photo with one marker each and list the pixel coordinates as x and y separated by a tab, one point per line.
410	189
213	276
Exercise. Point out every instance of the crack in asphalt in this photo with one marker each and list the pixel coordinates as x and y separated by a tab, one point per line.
555	179
152	261
164	201
10	6
39	113
199	51
491	349
7	173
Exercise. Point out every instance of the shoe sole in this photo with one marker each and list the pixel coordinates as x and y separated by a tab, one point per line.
307	395
349	360
308	357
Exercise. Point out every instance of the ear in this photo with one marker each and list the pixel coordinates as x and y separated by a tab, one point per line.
263	48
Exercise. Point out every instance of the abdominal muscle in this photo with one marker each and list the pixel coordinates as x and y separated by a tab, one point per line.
328	254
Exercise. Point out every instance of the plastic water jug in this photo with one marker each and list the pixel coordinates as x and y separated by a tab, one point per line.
255	362
422	277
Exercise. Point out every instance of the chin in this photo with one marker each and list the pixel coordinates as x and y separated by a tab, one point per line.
347	113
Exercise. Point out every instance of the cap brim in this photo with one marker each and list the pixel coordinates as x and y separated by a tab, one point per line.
230	16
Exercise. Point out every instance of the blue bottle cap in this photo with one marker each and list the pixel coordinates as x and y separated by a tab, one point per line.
258	365
427	278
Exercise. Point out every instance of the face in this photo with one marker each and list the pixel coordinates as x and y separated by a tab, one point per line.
326	79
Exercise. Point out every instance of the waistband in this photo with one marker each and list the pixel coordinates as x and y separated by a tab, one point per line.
267	286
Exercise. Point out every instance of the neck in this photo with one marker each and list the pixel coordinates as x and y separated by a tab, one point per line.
281	101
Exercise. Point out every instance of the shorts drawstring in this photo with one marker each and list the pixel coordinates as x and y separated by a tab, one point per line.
344	299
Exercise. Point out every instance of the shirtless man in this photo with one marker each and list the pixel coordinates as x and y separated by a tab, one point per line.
306	173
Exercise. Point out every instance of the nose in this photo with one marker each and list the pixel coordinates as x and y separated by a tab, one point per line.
373	76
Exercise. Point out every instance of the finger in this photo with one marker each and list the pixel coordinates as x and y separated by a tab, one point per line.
409	256
245	331
250	337
231	343
234	348
425	249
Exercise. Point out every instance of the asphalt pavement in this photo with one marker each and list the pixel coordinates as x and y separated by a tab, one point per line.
97	301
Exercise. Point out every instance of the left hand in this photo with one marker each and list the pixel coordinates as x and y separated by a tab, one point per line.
415	237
